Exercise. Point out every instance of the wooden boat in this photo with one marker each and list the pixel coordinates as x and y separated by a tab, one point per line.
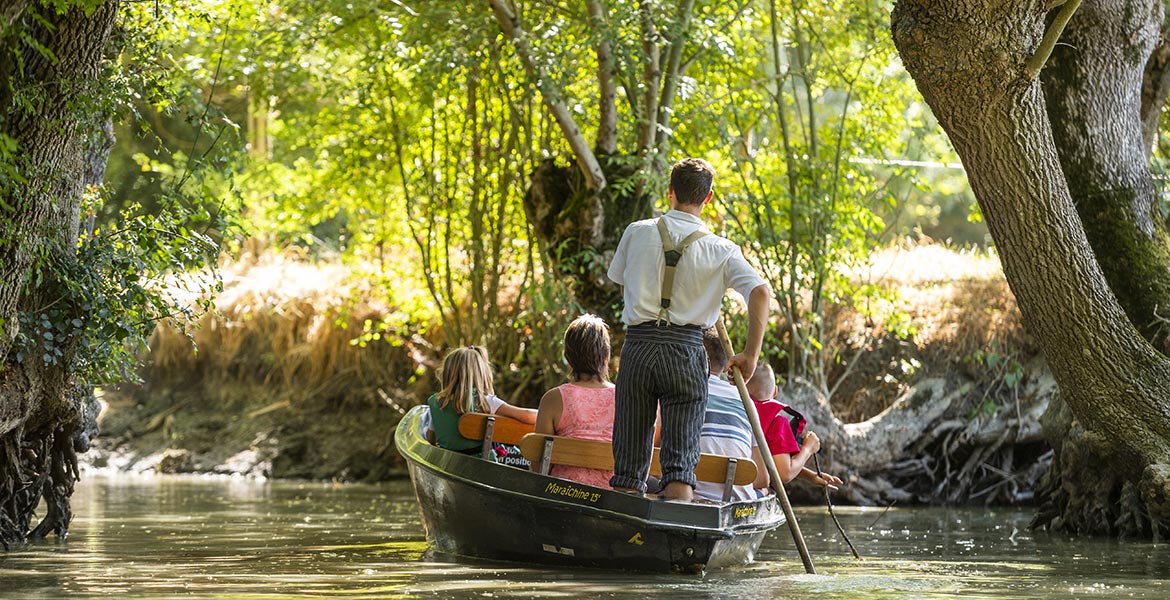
481	509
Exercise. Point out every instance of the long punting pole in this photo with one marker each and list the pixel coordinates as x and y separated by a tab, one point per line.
770	464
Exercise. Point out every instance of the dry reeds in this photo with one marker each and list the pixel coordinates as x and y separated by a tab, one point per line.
292	326
956	303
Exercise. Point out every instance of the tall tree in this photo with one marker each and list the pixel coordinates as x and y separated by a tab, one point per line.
50	73
77	298
578	212
976	63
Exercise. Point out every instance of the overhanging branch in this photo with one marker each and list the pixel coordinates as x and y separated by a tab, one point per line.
586	160
1036	63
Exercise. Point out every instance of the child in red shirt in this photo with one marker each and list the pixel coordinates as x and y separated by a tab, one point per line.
782	424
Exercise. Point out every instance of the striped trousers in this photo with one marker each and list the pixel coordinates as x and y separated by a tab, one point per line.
659	365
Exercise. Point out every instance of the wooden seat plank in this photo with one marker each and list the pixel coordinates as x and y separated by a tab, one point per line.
599	455
506	430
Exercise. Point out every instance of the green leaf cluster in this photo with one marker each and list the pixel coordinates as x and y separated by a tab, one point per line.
88	304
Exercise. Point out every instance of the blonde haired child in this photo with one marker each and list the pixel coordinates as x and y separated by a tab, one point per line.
782	425
467	387
582	408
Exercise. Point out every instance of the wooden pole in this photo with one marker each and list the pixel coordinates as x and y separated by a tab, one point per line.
770	464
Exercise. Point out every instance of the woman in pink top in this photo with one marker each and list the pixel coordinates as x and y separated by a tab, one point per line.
582	408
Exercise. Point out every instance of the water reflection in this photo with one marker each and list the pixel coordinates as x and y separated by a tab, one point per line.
139	537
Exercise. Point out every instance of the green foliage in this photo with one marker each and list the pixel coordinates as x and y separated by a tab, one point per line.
399	137
62	6
1003	366
104	302
90	309
10	175
807	108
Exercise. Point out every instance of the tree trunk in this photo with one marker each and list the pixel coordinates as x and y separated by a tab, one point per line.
606	87
651	81
554	207
673	71
968	59
1155	87
1093	89
591	169
569	209
51	123
1099	86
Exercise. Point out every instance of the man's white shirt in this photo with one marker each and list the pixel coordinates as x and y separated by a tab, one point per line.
708	268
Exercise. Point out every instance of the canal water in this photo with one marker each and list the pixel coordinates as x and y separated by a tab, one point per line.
167	537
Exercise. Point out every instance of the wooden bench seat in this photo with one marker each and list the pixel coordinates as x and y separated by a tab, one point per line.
546	450
492	428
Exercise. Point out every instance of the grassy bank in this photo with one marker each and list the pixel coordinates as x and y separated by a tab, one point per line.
279	381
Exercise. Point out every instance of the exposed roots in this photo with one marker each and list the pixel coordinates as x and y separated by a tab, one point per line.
34	467
1082	494
957	463
42	464
58	486
946	442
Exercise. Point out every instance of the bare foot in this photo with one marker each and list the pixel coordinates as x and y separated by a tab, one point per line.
678	491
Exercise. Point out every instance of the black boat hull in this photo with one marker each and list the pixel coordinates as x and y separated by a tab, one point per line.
476	508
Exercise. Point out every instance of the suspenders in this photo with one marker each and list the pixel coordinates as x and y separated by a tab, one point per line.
673	255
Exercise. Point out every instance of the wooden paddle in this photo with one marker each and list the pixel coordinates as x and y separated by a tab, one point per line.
770	464
591	454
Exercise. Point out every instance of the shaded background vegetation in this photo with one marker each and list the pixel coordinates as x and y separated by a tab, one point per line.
400	141
383	155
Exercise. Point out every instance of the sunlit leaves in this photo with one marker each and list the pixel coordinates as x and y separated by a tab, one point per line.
401	136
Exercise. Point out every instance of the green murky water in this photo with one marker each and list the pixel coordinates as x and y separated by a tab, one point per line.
136	537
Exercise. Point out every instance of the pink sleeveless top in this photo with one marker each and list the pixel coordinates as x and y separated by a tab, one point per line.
587	415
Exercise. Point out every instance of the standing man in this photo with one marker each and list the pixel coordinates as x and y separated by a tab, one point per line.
673	274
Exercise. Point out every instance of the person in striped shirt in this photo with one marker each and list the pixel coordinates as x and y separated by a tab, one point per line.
726	428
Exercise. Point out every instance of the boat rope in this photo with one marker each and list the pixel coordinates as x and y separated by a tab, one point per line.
829	503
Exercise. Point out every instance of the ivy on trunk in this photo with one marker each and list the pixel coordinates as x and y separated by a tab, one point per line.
49	108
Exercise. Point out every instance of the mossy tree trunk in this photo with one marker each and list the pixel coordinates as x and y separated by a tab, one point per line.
1093	89
577	250
49	110
970	59
1101	85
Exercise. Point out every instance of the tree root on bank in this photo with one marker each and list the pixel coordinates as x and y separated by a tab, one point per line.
42	464
36	466
942	442
1083	493
58	487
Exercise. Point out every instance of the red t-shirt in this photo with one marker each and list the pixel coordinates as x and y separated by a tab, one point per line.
777	430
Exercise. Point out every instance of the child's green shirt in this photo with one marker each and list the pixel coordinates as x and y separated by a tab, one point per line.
445	422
